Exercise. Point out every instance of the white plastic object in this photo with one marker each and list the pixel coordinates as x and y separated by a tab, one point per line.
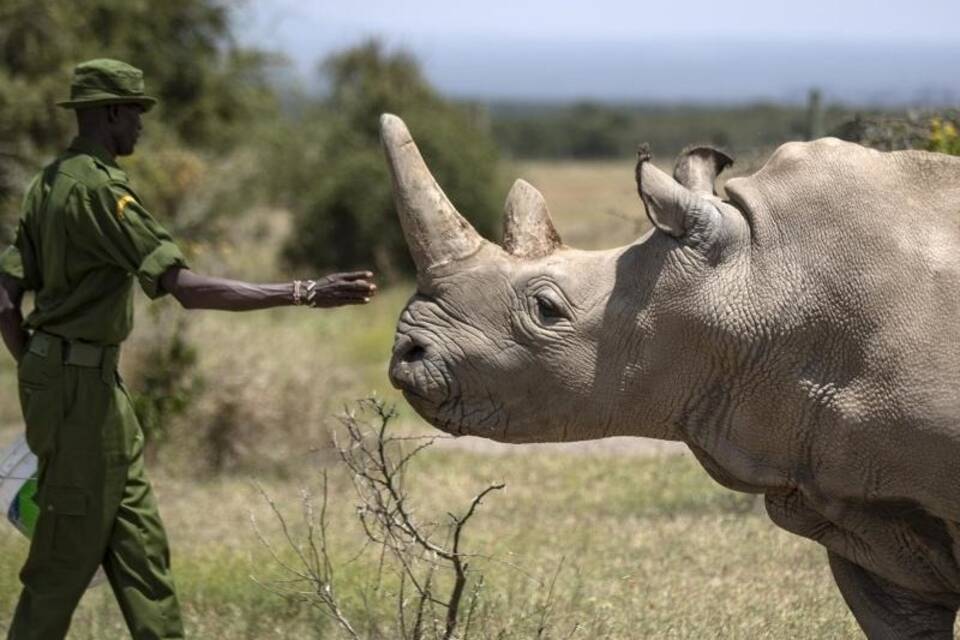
18	471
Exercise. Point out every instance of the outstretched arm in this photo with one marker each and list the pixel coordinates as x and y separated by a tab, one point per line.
196	291
11	316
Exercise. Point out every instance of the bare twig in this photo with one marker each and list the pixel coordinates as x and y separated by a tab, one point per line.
472	606
379	483
377	461
548	602
316	569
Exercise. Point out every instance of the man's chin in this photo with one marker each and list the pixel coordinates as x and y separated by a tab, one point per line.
127	149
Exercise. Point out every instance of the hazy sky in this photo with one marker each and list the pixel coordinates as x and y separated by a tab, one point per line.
618	49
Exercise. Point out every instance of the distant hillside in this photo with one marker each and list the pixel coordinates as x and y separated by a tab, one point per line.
591	130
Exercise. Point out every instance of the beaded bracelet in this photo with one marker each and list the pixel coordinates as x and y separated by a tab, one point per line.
297	294
311	293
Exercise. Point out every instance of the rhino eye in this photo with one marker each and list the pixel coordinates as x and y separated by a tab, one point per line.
549	308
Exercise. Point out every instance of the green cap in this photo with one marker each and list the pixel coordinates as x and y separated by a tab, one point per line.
104	81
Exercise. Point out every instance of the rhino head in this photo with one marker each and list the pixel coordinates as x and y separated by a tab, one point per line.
537	341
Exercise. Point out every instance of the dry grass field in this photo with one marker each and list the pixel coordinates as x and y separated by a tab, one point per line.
641	544
594	204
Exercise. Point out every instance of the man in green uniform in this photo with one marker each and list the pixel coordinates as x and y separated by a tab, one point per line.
83	239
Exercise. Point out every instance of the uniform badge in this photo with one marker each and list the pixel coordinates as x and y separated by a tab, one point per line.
121	205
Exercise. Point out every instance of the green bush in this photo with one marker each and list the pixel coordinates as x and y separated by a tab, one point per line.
338	186
933	131
166	381
944	136
886	132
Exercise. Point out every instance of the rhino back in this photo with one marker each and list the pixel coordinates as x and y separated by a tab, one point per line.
831	194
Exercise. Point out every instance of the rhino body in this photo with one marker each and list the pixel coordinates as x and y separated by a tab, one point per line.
802	337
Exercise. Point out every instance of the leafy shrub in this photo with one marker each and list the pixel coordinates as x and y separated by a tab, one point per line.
916	130
243	400
194	193
944	136
341	194
884	132
265	399
166	381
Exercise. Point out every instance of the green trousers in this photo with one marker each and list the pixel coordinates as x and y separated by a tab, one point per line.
97	506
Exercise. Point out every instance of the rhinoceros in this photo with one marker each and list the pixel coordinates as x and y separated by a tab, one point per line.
801	336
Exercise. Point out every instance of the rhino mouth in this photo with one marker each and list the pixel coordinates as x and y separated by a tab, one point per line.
459	418
421	375
427	384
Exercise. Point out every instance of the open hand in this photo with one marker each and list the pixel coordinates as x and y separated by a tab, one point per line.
338	289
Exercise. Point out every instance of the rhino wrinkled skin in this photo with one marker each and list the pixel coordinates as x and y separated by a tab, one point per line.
802	337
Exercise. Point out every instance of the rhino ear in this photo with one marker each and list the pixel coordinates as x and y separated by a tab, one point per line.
672	207
698	166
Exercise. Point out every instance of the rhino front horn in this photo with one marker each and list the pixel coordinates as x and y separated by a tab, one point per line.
435	232
528	231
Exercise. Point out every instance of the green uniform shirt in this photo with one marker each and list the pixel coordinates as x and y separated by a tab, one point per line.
82	239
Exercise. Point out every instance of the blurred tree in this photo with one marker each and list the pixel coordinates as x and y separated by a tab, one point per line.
340	188
596	131
209	89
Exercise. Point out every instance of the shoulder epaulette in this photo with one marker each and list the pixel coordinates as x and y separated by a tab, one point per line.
114	174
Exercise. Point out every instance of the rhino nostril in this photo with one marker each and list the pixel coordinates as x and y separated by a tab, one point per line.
409	350
414	353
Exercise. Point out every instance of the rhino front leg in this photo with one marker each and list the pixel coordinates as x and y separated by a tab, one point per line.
886	611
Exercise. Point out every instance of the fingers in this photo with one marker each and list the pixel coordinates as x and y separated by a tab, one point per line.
359	278
341	301
354	283
343	293
355	275
356	286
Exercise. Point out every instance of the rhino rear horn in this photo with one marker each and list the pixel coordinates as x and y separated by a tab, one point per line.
698	166
528	231
435	231
672	207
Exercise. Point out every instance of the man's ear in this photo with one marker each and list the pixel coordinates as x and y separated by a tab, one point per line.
673	208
